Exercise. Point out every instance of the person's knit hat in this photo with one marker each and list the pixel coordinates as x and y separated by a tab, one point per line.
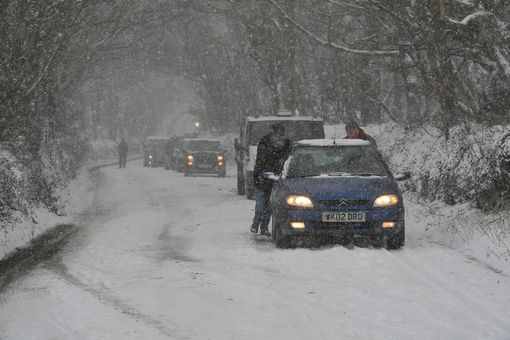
352	125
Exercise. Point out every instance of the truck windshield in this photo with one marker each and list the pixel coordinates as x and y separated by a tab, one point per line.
295	130
203	145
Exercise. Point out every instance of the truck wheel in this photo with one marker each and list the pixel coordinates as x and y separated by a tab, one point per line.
250	193
240	180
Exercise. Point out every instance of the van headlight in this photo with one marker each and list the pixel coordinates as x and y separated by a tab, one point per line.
299	201
386	200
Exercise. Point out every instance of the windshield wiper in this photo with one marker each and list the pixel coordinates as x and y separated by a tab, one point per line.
367	174
303	176
339	173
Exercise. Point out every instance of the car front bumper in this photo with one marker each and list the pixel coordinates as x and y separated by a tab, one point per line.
206	169
372	227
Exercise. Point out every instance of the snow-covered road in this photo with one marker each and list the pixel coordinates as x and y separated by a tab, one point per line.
161	256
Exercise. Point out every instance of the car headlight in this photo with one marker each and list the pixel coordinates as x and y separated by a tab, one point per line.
220	158
150	156
190	158
299	201
386	200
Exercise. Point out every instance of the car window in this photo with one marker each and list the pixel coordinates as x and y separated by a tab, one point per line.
335	161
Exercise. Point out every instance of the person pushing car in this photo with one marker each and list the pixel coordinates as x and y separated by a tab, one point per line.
272	151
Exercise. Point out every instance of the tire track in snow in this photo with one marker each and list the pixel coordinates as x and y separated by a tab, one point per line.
167	328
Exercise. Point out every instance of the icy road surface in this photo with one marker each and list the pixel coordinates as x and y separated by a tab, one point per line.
161	256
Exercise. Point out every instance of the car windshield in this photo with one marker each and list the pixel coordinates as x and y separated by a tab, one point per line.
335	161
155	147
204	145
295	129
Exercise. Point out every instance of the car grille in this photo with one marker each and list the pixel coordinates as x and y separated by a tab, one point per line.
343	203
205	158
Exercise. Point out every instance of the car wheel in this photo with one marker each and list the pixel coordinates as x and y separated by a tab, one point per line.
311	242
186	173
397	240
280	240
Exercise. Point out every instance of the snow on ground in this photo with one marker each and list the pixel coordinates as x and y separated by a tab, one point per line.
164	256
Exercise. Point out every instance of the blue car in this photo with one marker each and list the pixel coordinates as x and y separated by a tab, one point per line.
337	189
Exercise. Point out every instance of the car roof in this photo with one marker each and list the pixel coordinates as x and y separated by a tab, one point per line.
201	139
278	118
333	142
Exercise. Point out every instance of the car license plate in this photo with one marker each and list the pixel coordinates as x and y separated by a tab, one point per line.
203	166
343	217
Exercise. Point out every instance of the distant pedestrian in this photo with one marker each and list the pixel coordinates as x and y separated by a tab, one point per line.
272	151
355	132
123	150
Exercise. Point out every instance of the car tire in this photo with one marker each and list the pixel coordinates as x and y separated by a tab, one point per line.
186	173
311	242
281	241
397	241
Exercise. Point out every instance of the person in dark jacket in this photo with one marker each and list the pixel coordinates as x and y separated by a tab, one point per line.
123	150
355	132
272	151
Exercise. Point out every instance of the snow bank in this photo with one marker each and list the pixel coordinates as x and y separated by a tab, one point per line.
35	193
22	226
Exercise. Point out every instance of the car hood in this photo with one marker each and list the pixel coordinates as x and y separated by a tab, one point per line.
353	187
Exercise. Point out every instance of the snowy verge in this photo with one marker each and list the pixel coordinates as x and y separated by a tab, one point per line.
39	220
483	237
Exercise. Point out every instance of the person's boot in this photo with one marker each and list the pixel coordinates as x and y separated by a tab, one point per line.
264	230
254	228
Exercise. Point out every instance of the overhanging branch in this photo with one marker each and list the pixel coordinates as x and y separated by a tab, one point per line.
328	43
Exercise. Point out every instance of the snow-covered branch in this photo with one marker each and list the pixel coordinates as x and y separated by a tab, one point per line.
330	44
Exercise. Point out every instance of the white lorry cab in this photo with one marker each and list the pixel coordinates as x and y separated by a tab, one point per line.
254	128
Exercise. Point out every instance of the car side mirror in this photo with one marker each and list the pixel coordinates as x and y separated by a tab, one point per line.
402	176
270	175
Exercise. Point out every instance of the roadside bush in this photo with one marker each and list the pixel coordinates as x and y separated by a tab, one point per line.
11	184
471	166
29	181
